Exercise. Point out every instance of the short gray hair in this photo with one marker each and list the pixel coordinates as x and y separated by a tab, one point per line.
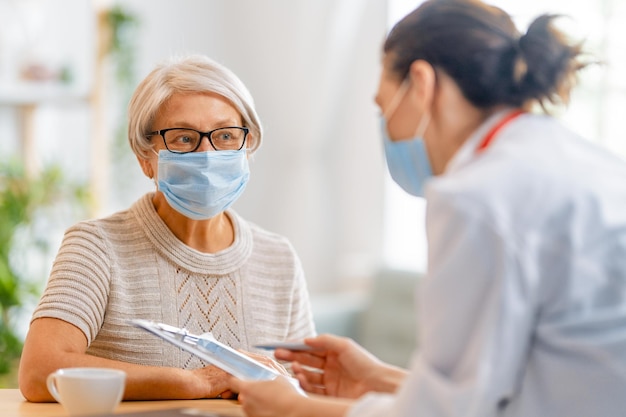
189	74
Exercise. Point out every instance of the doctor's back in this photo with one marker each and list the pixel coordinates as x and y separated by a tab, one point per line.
539	218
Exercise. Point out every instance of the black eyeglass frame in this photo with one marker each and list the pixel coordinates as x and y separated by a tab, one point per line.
203	135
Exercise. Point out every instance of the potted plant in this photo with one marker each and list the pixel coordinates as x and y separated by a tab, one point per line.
22	200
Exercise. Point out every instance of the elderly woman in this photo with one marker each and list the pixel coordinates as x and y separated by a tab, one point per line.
178	255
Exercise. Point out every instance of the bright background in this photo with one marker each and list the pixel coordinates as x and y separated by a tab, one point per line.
312	66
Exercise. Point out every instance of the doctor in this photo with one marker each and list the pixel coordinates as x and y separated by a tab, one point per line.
523	308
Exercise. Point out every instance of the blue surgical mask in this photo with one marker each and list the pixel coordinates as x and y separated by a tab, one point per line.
200	185
407	159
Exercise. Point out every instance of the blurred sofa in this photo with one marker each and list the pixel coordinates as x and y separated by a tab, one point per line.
383	320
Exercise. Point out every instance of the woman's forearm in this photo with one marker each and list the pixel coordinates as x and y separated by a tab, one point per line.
142	382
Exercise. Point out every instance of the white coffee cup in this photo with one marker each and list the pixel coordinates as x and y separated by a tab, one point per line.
84	391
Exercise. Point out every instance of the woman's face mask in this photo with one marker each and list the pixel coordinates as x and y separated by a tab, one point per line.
200	185
407	159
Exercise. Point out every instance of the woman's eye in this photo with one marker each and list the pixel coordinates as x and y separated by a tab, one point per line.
183	139
224	136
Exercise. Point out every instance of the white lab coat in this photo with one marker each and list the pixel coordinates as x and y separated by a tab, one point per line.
523	308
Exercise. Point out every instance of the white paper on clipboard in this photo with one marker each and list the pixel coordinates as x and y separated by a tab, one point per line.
206	347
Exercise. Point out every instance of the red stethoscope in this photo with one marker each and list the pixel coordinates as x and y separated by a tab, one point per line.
494	130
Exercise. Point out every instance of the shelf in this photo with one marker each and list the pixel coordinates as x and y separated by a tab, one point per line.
36	93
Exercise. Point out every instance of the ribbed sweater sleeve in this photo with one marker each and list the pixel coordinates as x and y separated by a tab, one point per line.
79	284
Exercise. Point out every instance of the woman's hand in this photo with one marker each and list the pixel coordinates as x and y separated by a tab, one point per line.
212	382
267	361
216	382
339	367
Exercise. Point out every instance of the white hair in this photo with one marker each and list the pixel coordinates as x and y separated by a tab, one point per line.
189	74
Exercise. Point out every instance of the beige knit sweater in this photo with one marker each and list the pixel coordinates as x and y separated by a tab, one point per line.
130	265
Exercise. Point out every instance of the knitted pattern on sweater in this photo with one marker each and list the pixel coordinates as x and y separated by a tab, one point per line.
130	265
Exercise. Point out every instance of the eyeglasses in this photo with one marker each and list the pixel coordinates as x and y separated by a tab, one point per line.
184	140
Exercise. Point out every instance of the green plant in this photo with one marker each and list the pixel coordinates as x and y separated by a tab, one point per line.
121	49
121	27
121	46
23	199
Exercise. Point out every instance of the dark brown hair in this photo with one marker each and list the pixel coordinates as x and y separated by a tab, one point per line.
480	48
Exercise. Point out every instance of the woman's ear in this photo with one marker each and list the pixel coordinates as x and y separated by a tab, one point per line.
423	83
146	166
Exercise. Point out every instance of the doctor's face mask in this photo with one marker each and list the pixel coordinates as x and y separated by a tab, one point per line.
407	159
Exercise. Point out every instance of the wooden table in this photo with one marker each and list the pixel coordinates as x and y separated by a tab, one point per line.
13	404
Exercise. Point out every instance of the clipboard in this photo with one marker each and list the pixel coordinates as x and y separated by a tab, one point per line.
206	347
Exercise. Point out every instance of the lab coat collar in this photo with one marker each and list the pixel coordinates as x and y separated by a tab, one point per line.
467	152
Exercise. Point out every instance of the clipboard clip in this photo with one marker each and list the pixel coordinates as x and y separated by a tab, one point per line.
175	334
179	333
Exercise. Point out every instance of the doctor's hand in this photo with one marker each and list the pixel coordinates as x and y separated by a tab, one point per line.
339	367
279	398
267	398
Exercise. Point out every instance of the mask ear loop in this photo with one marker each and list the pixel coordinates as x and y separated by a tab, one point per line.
422	126
153	178
395	102
397	98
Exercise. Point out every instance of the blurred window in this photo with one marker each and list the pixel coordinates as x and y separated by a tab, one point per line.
595	111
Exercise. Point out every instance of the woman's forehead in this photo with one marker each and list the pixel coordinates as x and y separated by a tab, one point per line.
197	109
